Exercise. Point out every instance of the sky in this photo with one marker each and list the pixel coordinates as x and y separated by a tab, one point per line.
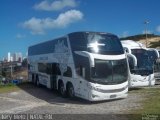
28	22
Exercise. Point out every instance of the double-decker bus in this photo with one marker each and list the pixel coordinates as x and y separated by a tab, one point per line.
141	61
89	65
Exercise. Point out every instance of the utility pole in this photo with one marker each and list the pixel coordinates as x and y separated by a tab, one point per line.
146	22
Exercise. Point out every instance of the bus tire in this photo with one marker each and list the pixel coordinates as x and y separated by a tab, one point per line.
61	89
70	90
37	81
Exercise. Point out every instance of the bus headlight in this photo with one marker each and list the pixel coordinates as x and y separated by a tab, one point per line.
92	87
93	96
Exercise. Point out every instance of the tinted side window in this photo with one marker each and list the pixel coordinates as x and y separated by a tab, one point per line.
55	69
78	42
46	47
68	73
42	67
49	68
82	66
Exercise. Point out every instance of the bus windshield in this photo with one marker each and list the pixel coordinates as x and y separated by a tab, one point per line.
145	60
104	44
109	71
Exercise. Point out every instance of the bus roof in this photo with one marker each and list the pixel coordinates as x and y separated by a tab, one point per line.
73	33
132	44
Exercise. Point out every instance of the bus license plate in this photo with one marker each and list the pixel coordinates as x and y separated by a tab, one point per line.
113	96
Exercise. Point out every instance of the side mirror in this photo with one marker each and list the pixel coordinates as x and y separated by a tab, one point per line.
132	60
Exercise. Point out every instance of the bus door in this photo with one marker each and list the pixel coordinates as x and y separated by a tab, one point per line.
82	65
82	85
54	76
81	81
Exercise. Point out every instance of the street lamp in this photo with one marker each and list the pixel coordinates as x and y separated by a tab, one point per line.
11	69
145	23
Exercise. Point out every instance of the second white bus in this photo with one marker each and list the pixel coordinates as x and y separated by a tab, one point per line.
141	60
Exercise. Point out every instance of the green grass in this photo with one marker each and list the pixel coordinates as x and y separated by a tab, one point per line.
151	103
12	87
8	88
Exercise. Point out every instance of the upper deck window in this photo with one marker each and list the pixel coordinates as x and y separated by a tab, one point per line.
104	44
96	42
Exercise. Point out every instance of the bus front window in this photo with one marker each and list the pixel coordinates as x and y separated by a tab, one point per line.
104	44
110	71
145	60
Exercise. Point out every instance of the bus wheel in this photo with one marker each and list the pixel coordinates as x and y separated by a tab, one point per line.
62	89
37	81
70	90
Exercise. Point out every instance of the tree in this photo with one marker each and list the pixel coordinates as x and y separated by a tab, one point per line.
25	62
3	73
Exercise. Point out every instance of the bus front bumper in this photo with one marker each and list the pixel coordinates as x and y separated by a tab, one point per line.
95	95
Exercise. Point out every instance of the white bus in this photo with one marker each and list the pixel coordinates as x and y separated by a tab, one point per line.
141	60
89	65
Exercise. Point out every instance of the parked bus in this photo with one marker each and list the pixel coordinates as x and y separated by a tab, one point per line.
141	60
157	70
89	65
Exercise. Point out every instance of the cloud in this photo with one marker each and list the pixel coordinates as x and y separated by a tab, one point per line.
20	36
38	26
158	29
47	5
